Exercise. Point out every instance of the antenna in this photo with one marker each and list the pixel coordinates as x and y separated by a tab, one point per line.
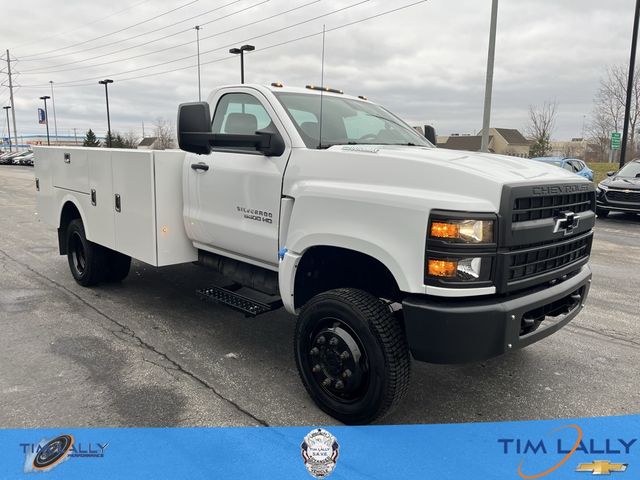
322	88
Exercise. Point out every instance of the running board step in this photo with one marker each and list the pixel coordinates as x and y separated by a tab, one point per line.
249	305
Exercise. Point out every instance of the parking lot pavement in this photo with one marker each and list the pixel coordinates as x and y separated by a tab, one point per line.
147	352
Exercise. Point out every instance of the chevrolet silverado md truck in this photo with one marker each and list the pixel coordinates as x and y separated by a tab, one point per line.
383	247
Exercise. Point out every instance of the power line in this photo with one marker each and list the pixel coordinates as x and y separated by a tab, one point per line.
49	37
133	37
262	49
114	32
220	48
36	71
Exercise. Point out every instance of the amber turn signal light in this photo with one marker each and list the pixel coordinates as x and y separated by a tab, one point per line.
442	268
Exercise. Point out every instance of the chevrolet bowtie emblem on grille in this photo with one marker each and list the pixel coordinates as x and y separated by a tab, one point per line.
601	467
566	222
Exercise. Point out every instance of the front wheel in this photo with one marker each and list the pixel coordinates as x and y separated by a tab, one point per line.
352	355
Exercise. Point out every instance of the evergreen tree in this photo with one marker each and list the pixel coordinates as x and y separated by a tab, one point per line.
90	139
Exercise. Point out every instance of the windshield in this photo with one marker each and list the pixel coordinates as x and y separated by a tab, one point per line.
631	170
346	122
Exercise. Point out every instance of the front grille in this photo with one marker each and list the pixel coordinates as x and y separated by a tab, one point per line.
523	264
540	207
620	196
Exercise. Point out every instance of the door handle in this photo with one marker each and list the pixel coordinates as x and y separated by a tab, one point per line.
118	203
200	166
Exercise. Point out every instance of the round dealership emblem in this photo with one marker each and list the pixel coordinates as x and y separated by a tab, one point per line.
53	452
320	452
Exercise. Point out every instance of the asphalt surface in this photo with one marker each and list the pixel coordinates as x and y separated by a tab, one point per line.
147	352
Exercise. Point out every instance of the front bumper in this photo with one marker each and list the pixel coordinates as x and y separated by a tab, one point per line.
458	331
604	204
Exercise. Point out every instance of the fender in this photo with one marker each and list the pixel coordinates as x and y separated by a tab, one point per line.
62	201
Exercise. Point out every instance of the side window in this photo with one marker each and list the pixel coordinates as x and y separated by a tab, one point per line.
568	166
241	114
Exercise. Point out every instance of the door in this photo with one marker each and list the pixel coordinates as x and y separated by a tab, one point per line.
234	195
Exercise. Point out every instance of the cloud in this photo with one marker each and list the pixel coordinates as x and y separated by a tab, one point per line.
426	63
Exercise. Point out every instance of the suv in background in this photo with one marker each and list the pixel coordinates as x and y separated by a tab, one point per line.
620	192
573	165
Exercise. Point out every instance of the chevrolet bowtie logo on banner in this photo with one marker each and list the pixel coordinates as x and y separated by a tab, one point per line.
42	117
601	467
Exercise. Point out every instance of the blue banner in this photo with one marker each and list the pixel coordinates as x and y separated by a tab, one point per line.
42	117
554	449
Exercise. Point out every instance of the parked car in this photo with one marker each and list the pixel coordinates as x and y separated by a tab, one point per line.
21	157
26	159
620	192
8	159
574	165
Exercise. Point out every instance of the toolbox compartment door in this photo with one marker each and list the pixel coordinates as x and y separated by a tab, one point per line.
133	204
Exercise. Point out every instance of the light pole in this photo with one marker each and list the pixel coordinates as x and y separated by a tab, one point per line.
197	29
46	115
55	121
241	50
627	106
486	120
106	82
6	109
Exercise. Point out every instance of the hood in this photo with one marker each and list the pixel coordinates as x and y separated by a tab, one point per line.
623	183
497	168
445	179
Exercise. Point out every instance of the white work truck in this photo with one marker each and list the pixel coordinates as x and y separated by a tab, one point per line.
328	205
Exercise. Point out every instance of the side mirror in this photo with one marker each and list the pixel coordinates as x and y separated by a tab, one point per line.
194	119
430	134
271	144
610	174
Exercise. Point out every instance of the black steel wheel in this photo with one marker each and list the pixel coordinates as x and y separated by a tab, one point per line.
352	355
87	260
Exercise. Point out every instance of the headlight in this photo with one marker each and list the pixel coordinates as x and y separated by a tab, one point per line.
602	187
462	231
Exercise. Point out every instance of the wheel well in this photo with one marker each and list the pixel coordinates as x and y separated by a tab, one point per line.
324	268
69	213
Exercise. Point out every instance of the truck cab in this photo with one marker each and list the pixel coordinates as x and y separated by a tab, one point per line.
383	246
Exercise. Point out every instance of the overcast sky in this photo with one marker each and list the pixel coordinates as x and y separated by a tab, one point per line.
426	63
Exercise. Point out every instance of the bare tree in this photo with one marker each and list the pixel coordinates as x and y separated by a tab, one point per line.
542	120
130	139
165	133
609	103
598	131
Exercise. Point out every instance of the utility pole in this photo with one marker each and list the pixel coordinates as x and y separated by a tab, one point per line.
13	108
55	121
197	28
486	120
143	129
632	66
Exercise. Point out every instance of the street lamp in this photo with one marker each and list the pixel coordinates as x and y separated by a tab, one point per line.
46	115
55	120
6	109
241	50
197	29
106	82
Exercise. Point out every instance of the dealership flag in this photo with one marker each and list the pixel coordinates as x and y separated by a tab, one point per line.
42	117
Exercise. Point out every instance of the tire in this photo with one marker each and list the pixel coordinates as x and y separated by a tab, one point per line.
87	260
352	355
602	213
118	266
